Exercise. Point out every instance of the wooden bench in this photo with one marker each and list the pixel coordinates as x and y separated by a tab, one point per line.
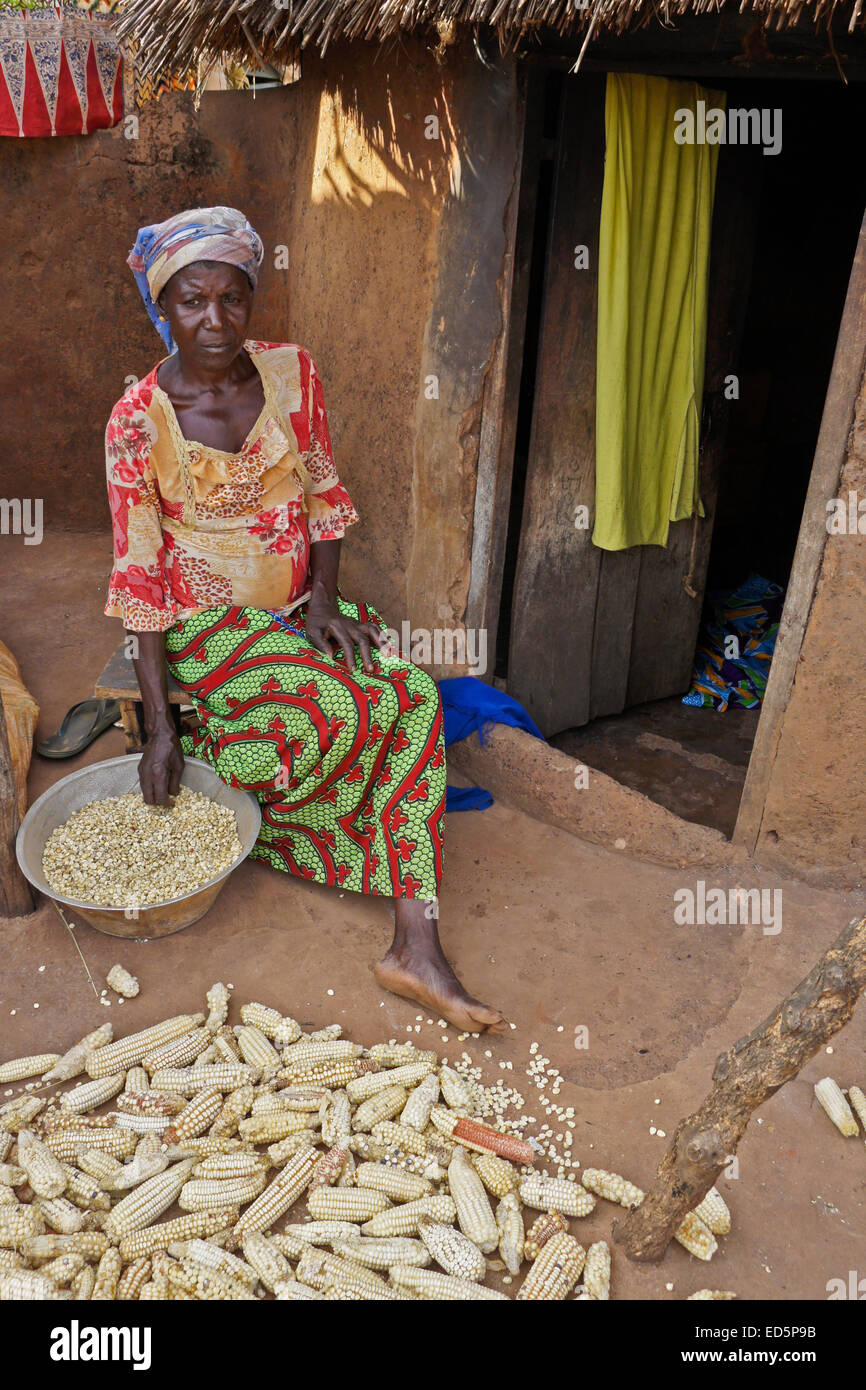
119	682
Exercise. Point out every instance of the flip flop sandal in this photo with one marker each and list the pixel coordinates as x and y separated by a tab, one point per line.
82	724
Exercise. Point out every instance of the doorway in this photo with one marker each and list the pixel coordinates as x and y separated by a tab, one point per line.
599	646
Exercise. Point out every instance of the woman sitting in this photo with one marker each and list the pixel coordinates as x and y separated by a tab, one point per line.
228	518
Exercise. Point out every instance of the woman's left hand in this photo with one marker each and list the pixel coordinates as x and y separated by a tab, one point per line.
330	631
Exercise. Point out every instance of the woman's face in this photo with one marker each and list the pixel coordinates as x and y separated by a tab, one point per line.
208	306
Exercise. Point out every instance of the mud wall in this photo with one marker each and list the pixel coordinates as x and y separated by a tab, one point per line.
815	814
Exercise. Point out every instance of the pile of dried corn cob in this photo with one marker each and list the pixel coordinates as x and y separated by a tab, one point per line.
408	1195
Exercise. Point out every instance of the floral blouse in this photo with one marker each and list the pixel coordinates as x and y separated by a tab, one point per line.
195	527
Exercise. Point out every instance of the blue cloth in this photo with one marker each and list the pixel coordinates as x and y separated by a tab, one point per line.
469	704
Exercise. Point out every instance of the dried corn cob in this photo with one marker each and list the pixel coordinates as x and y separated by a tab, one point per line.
83	1284
329	1071
18	1114
315	1233
383	1106
555	1194
204	1283
301	1053
346	1203
312	1099
397	1183
498	1175
612	1187
72	1062
474	1214
321	1270
180	1052
399	1137
149	1103
400	1055
63	1269
256	1050
204	1147
236	1105
707	1295
140	1124
45	1173
457	1092
139	1170
452	1250
25	1285
6	1142
292	1144
337	1120
330	1166
91	1244
509	1224
59	1214
137	1082
696	1237
218	998
404	1220
224	1046
374	1082
836	1107
107	1275
268	1128
236	1165
430	1284
268	1262
555	1270
7	1197
714	1212
22	1067
259	1016
857	1101
160	1236
596	1271
145	1203
92	1093
212	1256
416	1112
382	1254
279	1195
185	1081
133	1279
84	1190
122	982
117	1056
292	1290
194	1119
471	1134
62	1120
203	1194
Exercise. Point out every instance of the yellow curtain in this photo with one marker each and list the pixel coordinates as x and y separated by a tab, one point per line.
656	211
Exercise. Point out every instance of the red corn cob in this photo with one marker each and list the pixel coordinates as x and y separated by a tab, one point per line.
478	1136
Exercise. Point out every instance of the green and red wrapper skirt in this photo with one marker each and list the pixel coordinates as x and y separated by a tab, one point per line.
349	768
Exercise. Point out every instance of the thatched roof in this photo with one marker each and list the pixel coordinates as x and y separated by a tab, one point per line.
174	34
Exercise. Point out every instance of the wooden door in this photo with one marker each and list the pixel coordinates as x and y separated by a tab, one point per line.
592	630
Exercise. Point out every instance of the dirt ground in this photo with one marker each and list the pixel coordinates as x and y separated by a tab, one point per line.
560	934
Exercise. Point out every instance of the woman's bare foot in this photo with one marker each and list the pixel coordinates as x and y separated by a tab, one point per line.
415	967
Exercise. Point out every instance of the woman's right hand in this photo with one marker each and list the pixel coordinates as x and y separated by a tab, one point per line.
161	766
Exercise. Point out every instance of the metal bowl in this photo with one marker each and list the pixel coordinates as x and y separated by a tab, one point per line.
115	777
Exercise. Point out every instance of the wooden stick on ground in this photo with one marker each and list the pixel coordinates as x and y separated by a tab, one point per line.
744	1077
16	897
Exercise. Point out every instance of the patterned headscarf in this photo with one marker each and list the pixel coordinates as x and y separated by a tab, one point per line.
201	234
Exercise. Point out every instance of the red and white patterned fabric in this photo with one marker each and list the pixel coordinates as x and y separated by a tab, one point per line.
61	73
196	527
